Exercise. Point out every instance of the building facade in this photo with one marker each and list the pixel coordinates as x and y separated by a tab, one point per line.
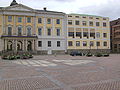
115	35
25	29
88	33
48	32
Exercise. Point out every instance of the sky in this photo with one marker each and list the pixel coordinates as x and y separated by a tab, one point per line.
105	8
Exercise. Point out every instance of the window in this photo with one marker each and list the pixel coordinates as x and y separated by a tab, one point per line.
39	43
97	43
69	16
115	45
57	21
91	43
28	19
19	31
90	17
104	43
58	43
85	34
48	21
84	43
77	22
83	17
9	18
58	32
91	23
104	24
69	22
70	43
49	43
78	34
97	24
92	34
98	35
104	35
39	20
104	18
29	31
97	18
77	43
9	31
40	31
19	19
71	34
49	32
84	23
77	16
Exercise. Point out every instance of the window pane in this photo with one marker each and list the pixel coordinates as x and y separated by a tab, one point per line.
39	20
77	22
39	43
58	43
79	34
29	20
97	24
70	43
77	43
71	34
84	43
49	32
97	43
58	32
29	31
57	21
19	31
84	23
19	19
49	43
48	21
9	18
10	31
39	31
69	22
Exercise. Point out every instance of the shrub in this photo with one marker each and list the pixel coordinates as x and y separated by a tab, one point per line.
106	55
98	55
89	55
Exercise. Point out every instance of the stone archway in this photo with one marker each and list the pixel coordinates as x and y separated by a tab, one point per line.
29	46
19	45
9	45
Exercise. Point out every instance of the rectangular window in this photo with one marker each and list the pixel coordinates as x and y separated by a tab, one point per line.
58	32
49	32
28	19
84	43
79	34
104	24
77	23
77	16
97	23
84	23
40	31
71	34
91	23
57	21
39	43
104	43
91	43
85	34
48	21
9	18
19	19
69	22
49	43
77	43
39	20
92	34
104	35
98	35
70	43
97	43
58	43
9	31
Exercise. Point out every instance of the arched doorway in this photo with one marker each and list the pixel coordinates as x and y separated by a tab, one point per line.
19	45
9	45
29	46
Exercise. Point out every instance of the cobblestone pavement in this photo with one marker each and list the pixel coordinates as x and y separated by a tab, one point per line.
61	72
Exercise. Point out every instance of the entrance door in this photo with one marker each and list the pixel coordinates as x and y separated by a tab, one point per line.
29	46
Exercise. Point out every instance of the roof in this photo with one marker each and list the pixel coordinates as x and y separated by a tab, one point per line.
48	11
85	15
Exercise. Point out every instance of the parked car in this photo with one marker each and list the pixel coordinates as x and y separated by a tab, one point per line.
76	53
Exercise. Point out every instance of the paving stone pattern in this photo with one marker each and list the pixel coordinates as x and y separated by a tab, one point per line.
61	72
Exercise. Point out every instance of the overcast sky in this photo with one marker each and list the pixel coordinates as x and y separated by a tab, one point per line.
107	8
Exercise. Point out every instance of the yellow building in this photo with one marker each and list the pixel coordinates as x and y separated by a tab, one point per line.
88	33
25	29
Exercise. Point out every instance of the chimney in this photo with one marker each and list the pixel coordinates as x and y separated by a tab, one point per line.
45	9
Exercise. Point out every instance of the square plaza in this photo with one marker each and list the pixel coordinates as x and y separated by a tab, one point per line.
61	72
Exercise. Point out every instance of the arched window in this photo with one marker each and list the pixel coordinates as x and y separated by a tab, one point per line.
29	31
19	31
9	30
